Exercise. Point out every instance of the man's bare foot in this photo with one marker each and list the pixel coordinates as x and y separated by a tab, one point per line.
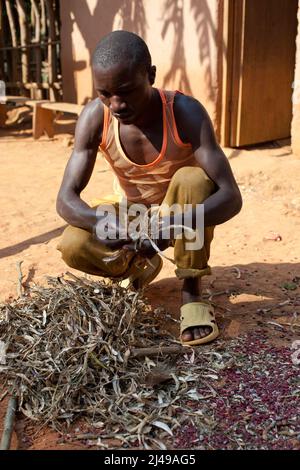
191	292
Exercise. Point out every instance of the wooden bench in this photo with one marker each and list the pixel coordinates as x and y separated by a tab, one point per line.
5	101
44	114
14	99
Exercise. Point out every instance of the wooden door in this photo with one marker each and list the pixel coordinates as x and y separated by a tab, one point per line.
261	70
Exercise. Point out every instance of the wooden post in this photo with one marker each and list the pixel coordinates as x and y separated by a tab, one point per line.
1	41
32	16
43	19
3	114
24	39
13	33
52	47
37	50
43	121
9	424
159	350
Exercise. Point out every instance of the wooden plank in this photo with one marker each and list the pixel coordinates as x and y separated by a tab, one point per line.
3	114
64	107
31	85
43	18
24	39
43	121
44	115
227	57
237	78
32	103
29	46
263	70
37	51
2	54
13	32
14	99
52	68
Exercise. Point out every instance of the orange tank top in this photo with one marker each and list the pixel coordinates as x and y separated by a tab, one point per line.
147	183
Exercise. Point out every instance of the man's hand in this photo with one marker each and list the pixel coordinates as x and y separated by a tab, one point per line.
160	238
110	232
145	248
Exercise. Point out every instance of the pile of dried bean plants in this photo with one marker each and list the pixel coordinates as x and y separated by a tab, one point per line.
69	354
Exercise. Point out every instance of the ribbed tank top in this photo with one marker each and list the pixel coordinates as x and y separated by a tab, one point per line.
147	183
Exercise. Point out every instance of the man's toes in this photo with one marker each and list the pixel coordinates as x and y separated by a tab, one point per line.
201	332
187	335
197	333
207	330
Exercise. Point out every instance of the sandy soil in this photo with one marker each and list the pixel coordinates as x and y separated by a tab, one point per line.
255	278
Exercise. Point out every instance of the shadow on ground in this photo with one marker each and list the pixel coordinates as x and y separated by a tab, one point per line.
246	297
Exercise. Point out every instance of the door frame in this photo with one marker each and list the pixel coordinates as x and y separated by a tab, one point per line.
233	27
233	38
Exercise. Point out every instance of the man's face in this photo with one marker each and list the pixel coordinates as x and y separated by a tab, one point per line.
125	91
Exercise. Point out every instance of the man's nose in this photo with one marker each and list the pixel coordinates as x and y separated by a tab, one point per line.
117	104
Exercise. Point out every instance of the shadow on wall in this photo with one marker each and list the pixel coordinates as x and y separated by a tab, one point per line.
173	18
131	15
205	29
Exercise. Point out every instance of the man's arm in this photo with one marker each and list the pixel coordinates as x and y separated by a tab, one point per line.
194	126
80	167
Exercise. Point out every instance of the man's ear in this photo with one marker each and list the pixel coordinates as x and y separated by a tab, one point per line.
152	74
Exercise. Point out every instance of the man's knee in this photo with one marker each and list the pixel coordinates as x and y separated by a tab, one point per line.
73	245
195	180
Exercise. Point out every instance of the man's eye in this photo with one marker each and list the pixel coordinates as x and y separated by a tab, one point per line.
126	92
105	94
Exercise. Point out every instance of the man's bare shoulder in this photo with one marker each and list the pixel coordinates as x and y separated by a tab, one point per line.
90	122
186	106
92	113
190	115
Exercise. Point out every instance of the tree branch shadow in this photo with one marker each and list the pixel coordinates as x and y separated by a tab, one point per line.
173	12
94	25
205	29
133	17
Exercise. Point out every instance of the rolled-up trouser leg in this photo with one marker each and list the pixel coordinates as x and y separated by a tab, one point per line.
190	185
81	250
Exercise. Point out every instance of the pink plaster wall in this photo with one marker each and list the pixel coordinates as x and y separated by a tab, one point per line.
182	37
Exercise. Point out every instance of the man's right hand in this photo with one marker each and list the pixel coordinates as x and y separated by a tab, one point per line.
109	232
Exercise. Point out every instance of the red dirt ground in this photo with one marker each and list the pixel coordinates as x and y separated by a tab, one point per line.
247	263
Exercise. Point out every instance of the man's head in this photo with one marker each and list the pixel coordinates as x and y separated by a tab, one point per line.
123	74
120	47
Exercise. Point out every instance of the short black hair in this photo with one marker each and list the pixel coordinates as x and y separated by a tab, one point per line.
122	46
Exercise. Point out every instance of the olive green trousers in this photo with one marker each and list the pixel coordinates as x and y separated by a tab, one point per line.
83	251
